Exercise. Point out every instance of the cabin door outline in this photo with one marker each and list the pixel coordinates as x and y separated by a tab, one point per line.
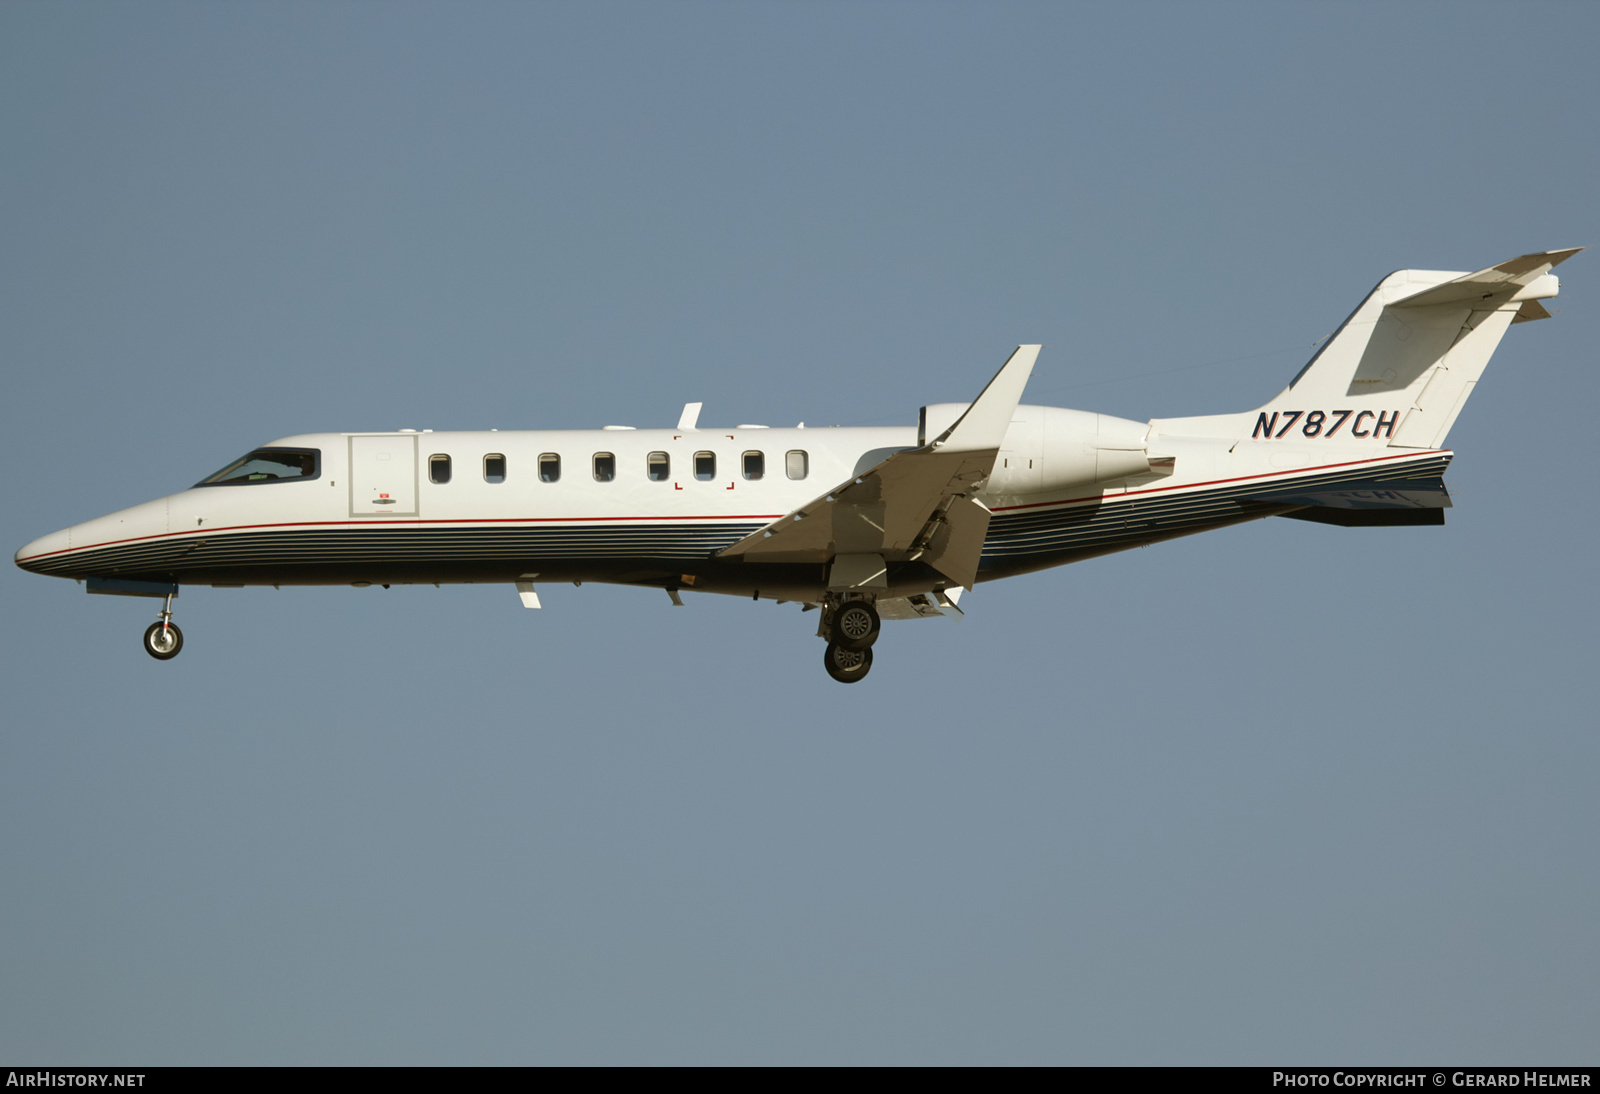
383	476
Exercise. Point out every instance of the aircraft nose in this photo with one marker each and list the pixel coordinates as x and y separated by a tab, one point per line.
35	556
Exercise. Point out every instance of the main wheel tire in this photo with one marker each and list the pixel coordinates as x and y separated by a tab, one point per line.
855	625
847	666
163	641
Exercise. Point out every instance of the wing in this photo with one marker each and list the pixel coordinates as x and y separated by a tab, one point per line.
915	505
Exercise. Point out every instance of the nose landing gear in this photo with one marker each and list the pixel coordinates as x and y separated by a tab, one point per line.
163	639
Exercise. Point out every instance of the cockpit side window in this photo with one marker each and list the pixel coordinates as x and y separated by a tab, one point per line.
269	465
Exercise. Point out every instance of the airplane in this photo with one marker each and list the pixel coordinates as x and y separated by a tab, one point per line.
861	525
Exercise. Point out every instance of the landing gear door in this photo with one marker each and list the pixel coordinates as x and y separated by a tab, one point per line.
383	476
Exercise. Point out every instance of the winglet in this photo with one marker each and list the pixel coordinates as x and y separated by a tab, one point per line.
984	424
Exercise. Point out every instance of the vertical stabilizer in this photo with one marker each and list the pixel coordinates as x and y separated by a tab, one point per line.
1402	366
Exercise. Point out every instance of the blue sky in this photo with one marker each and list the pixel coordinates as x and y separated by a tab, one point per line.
1282	793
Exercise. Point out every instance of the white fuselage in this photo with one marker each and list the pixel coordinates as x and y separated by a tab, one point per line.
646	506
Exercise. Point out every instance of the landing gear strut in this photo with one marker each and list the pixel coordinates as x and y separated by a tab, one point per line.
163	639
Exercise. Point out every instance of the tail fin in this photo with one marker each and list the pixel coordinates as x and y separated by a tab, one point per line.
1404	363
1415	348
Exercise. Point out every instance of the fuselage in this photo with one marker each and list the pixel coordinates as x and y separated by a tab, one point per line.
654	506
862	524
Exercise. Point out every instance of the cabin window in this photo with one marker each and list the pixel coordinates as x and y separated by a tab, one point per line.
605	467
658	465
705	466
267	465
439	469
755	465
549	467
494	468
796	465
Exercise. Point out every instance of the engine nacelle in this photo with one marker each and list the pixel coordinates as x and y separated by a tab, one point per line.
1048	448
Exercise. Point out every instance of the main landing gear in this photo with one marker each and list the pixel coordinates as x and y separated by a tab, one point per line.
847	666
851	627
163	639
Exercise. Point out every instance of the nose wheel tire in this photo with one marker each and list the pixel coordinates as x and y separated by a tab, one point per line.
847	666
163	641
855	625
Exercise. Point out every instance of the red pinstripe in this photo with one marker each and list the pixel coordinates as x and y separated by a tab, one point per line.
747	516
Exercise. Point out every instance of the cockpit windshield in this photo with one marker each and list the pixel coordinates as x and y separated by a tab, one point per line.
267	465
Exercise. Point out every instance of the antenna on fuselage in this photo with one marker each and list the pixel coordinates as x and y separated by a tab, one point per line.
691	415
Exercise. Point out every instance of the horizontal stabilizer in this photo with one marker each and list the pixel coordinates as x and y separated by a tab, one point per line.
1507	277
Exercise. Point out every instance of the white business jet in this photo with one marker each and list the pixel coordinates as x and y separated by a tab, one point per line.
861	525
